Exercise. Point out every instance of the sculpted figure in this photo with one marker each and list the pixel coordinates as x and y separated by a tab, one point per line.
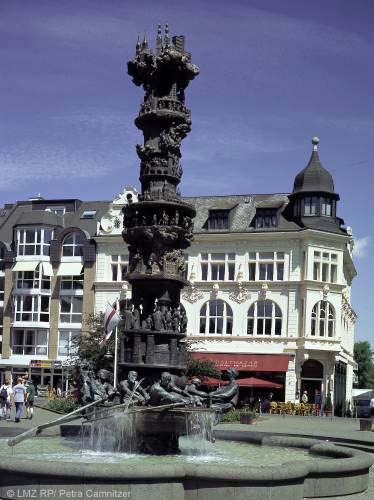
158	323
175	319
192	388
168	319
227	393
100	386
128	318
136	316
126	388
165	391
147	323
183	321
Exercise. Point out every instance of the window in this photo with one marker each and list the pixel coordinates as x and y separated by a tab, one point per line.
30	342
323	320
66	346
31	308
216	317
33	279
33	241
217	266
120	267
264	318
218	219
73	245
297	208
325	266
326	207
266	218
72	282
266	266
56	210
88	214
71	309
311	205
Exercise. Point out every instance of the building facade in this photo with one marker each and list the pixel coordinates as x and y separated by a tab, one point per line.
270	283
47	275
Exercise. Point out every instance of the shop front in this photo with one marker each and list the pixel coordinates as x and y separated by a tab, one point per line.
271	368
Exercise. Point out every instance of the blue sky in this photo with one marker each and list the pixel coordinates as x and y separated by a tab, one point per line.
273	74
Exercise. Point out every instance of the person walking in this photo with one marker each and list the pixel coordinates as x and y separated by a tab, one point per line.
30	396
5	401
18	397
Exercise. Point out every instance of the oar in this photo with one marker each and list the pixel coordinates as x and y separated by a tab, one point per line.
36	430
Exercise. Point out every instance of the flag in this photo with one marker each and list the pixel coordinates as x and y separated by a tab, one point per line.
111	320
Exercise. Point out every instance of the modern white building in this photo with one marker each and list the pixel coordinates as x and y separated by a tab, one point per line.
270	284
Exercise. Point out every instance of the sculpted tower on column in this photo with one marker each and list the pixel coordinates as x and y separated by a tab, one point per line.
159	227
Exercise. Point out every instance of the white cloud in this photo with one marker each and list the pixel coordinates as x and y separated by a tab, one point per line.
362	246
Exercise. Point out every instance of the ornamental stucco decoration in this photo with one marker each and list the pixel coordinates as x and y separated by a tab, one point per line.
264	292
192	294
240	294
325	291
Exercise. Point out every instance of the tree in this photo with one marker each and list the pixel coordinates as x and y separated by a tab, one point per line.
202	368
363	356
89	345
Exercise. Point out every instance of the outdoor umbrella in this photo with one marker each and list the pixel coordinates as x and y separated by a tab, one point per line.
245	382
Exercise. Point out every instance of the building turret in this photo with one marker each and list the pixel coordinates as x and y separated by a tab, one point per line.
313	199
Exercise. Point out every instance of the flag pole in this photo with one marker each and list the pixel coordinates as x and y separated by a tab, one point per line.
115	351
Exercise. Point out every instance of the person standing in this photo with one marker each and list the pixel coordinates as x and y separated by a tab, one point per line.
304	397
30	396
18	397
5	403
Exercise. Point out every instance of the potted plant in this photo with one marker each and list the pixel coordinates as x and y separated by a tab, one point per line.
328	406
247	416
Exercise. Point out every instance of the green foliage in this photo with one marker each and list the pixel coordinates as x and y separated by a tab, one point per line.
202	368
63	405
363	356
230	417
328	403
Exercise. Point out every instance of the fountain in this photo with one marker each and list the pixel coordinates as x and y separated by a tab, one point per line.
131	448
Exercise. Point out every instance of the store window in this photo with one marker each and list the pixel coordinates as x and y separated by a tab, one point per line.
31	308
323	320
264	318
119	267
30	342
66	344
71	309
73	245
217	266
216	317
325	266
33	241
266	266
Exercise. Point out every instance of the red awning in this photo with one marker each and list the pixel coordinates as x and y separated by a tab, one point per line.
246	362
244	382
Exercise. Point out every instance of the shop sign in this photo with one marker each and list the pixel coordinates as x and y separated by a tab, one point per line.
40	363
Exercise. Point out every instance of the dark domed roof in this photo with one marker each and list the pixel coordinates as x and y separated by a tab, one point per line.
314	177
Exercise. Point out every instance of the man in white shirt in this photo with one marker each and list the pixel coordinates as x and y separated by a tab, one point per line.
19	393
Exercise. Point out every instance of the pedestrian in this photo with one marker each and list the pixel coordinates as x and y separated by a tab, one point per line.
304	397
30	396
5	400
372	408
18	397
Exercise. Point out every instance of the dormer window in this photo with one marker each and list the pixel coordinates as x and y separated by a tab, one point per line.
218	219
266	218
311	205
326	207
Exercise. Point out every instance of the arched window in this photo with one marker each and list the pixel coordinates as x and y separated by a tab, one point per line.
264	318
323	320
216	317
73	245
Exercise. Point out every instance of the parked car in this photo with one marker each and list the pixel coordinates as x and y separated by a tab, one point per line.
362	408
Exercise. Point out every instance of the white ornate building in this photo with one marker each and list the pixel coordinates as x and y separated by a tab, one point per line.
270	283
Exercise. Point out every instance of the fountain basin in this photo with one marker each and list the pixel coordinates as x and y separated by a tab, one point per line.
336	471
